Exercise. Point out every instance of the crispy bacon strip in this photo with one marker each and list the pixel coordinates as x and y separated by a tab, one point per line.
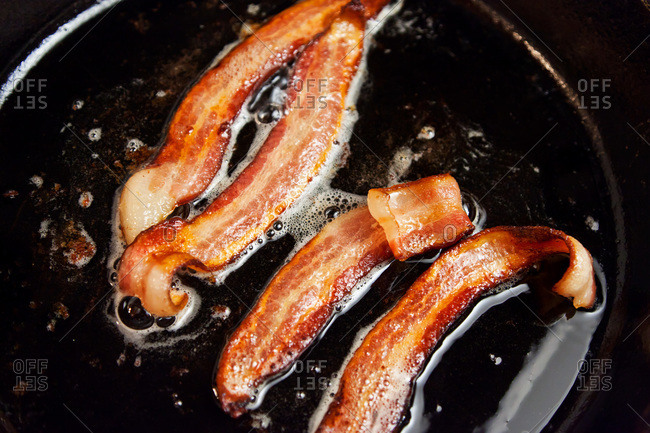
418	216
200	130
291	156
297	305
377	382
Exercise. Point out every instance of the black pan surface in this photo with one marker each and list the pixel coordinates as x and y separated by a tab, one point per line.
530	147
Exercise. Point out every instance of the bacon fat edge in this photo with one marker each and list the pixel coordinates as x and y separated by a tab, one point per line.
377	383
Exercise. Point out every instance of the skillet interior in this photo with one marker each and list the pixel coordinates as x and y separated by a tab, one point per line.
436	65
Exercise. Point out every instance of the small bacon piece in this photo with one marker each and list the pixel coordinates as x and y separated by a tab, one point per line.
420	216
297	304
200	129
377	383
291	156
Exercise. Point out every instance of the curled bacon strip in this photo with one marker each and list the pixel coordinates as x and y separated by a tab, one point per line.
376	385
418	216
200	129
291	156
297	305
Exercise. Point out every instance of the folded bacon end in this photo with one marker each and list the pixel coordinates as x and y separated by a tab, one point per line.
159	297
420	216
578	282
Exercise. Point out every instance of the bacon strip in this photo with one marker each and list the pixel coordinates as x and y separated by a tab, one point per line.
377	382
297	305
418	216
200	130
288	160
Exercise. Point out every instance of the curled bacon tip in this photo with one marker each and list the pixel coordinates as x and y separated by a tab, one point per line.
138	261
420	216
578	281
376	384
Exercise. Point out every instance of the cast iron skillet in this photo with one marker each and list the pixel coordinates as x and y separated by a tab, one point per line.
510	70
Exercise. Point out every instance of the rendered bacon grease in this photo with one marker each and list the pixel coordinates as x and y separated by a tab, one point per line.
280	172
420	216
200	130
297	304
377	383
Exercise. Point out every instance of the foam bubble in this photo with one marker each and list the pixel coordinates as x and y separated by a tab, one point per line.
95	134
592	223
253	9
37	181
44	228
85	199
134	144
427	133
496	359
